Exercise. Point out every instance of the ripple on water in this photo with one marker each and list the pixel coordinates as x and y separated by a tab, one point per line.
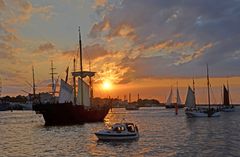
162	133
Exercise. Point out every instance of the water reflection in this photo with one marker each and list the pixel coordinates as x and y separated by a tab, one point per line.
162	133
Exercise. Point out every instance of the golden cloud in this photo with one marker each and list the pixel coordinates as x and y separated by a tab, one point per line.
99	28
199	52
15	13
94	51
100	2
123	30
171	45
2	5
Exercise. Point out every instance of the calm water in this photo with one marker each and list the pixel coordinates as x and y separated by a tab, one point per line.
162	133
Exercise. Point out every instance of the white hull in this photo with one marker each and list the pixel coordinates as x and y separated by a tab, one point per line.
192	114
227	109
116	137
119	131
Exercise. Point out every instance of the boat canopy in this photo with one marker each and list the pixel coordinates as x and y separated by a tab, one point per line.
83	74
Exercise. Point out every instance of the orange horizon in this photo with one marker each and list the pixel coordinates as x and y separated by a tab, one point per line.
159	89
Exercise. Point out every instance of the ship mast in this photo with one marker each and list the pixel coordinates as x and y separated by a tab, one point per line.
90	84
229	96
33	86
74	81
0	87
81	66
208	84
193	85
53	84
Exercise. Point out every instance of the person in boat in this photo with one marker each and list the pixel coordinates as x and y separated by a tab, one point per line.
119	129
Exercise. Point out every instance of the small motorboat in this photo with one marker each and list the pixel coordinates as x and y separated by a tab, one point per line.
119	131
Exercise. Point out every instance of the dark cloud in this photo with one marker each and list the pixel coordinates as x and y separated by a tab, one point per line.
89	52
46	47
94	51
211	26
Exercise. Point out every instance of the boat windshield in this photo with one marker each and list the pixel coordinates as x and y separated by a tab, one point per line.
119	128
130	128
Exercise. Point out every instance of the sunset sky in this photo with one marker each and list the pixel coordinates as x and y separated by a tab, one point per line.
137	46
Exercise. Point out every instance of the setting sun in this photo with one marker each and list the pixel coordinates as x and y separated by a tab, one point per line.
107	85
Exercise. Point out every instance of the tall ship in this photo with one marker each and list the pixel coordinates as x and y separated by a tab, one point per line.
75	104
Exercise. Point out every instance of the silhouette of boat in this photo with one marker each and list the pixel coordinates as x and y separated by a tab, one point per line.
226	107
119	131
191	109
4	106
132	106
72	108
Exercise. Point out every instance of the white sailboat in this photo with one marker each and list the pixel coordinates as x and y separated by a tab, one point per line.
170	104
192	111
179	101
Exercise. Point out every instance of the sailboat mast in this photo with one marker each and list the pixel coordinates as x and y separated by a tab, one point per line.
81	66
52	74
208	84
193	86
0	87
229	96
90	84
33	86
177	94
74	81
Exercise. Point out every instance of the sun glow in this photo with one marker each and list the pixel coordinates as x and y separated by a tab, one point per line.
107	85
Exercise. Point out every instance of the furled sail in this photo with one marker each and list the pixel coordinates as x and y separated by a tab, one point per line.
190	100
66	92
169	100
86	93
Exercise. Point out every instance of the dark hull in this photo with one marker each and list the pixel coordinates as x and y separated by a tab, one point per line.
4	106
69	114
173	106
131	107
